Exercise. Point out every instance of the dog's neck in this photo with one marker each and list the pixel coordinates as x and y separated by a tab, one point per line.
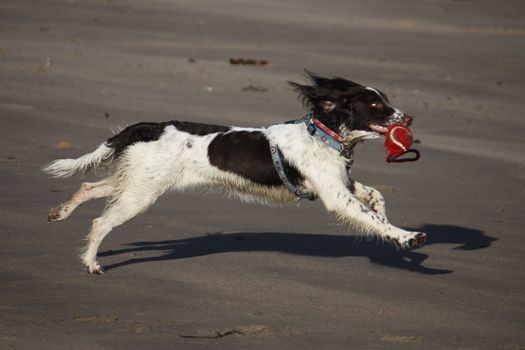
335	120
344	139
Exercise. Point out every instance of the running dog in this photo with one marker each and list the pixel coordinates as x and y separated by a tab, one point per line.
307	158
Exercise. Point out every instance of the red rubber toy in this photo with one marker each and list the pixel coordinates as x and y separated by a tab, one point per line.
397	145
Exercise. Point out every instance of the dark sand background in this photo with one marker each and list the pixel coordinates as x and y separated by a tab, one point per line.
202	272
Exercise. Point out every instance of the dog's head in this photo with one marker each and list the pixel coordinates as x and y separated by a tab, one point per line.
345	106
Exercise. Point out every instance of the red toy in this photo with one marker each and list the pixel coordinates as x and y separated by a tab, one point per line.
398	142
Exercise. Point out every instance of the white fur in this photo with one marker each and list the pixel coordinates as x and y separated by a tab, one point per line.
145	170
70	167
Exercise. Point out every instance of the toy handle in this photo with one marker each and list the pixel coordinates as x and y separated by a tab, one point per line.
395	158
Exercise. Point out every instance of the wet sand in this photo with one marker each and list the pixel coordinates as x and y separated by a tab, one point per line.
201	271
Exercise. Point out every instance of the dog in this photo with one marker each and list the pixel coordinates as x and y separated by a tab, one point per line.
308	158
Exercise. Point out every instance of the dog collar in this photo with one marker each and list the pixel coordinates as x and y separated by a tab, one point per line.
324	134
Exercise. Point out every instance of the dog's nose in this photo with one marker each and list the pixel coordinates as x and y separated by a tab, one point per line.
407	120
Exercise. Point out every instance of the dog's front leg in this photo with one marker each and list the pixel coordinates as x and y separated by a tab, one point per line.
339	200
369	196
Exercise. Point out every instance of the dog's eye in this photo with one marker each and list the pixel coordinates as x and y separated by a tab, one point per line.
377	105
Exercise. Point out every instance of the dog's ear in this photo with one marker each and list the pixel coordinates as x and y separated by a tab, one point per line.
325	93
333	84
304	91
315	97
317	79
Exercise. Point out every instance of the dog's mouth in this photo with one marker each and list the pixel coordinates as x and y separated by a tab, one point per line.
382	129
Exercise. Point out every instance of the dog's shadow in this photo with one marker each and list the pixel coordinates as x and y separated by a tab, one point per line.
307	244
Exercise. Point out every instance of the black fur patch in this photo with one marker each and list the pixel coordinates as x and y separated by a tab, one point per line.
199	129
146	132
248	154
351	186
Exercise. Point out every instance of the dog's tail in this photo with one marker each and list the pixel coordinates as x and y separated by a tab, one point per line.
99	158
107	152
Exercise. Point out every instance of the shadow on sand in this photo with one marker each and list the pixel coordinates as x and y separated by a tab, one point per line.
308	244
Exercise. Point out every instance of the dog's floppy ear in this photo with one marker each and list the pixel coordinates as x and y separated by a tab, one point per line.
317	79
324	93
334	84
315	97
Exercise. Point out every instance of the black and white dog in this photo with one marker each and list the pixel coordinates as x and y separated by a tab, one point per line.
310	158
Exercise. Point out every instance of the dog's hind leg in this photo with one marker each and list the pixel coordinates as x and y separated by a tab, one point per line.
129	202
87	191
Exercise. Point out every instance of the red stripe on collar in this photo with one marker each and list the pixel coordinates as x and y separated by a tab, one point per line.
330	132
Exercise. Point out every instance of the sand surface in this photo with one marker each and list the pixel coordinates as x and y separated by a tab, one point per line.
199	271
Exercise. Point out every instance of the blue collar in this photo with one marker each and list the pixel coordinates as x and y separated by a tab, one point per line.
325	135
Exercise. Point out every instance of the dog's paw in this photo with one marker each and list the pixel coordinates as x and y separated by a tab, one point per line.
410	241
95	269
53	214
57	214
418	240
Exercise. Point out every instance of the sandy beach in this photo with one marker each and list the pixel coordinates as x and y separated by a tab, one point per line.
201	271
